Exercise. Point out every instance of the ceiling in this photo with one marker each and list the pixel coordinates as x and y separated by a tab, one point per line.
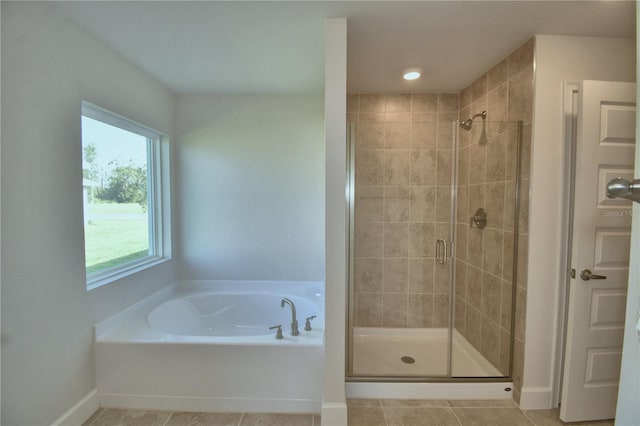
278	46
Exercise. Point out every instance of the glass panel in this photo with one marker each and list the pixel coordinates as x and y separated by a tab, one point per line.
400	293
486	218
431	290
115	171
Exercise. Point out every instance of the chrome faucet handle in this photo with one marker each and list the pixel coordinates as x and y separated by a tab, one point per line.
279	332
307	324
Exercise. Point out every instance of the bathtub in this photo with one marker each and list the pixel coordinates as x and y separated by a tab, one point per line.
207	346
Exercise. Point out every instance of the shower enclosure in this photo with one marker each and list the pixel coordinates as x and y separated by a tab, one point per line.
433	199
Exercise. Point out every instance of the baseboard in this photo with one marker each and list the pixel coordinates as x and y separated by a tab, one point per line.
536	398
497	390
199	404
81	411
334	414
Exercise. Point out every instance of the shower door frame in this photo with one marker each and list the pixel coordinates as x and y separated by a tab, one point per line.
350	213
350	195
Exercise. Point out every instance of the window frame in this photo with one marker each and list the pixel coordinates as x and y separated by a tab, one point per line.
156	187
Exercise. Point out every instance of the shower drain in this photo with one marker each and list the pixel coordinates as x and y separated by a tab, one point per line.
407	359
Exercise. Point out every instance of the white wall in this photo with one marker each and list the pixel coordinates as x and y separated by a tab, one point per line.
334	408
48	67
250	187
557	59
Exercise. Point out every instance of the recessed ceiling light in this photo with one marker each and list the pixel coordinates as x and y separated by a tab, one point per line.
412	74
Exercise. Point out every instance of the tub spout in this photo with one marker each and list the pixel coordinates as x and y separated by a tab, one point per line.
294	321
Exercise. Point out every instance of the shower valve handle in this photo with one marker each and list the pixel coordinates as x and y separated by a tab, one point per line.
479	219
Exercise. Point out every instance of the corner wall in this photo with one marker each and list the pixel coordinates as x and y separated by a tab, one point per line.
486	177
48	67
250	187
558	59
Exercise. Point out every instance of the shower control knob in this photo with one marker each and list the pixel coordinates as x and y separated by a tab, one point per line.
479	219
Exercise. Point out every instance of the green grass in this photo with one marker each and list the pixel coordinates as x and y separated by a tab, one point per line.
124	208
110	240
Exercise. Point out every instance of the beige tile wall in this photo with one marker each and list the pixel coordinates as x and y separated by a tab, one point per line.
403	165
484	264
402	204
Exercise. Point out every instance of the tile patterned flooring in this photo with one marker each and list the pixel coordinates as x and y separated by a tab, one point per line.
361	412
115	417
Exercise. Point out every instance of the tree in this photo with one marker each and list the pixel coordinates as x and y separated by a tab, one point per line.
90	157
126	184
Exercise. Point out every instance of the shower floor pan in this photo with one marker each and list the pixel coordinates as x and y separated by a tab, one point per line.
415	352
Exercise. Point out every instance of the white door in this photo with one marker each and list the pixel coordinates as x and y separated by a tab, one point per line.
605	149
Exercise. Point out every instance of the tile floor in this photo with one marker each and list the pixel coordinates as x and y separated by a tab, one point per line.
114	417
395	412
361	412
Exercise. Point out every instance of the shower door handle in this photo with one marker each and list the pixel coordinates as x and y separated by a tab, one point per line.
441	251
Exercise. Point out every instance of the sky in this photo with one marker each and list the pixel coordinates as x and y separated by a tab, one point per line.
113	145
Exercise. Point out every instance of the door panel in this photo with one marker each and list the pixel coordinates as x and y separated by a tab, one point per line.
601	238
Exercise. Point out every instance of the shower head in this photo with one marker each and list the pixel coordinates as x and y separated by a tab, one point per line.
466	124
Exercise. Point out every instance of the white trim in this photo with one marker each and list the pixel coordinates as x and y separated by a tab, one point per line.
202	404
536	398
111	118
334	414
430	390
81	411
569	106
98	279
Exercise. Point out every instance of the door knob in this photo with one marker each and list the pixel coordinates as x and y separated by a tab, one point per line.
586	275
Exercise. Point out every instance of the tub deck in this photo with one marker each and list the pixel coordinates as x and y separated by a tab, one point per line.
138	367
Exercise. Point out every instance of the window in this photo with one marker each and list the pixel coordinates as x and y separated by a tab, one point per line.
122	188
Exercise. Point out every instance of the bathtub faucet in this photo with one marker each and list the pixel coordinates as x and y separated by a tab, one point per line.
294	321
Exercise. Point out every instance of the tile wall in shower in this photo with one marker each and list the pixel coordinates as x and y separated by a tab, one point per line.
402	203
486	177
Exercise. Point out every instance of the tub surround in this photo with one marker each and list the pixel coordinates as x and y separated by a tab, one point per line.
136	365
136	323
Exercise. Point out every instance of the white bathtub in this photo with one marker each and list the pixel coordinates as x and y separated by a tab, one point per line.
206	346
230	314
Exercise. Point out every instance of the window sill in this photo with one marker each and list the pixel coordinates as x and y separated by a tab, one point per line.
107	277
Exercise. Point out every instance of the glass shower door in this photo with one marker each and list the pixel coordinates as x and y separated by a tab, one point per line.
430	289
401	261
487	229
